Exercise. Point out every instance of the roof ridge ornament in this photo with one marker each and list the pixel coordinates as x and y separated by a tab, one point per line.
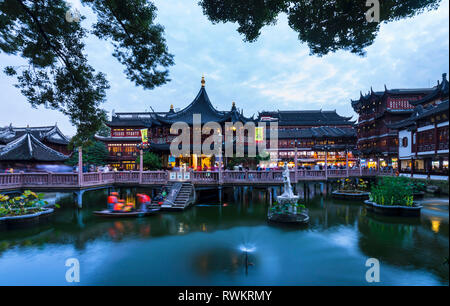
203	81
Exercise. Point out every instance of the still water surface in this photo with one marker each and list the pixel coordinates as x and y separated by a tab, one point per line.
202	246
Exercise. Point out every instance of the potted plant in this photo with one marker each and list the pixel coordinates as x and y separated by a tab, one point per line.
393	196
351	189
28	207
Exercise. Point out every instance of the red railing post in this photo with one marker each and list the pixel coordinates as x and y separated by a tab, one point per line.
141	165
346	161
80	166
296	163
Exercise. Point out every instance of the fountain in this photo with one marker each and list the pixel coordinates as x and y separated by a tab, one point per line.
286	208
246	250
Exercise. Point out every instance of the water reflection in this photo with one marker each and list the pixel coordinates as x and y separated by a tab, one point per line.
203	245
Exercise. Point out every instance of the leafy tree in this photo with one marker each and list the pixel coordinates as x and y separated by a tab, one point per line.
151	161
104	131
94	154
58	74
326	26
246	161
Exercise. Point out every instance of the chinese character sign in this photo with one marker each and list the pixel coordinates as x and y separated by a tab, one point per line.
259	134
144	135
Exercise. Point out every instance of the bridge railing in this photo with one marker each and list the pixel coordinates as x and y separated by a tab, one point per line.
63	179
127	177
159	177
70	180
205	177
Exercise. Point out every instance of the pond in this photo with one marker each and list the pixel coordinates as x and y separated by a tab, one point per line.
204	245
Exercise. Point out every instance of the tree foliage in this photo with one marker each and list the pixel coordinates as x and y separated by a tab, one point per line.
151	161
57	73
94	154
104	130
246	161
138	43
326	26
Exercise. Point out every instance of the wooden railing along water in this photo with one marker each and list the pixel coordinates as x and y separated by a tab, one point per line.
250	177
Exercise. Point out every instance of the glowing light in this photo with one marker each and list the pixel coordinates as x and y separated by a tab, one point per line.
435	224
247	248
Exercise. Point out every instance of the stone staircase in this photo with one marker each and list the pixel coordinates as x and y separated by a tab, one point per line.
180	195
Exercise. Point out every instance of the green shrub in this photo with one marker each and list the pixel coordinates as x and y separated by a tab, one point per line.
347	184
393	191
19	205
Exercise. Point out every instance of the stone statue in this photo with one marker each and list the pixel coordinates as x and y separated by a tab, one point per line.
288	196
287	183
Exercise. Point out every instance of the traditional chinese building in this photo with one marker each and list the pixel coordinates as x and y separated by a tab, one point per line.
378	142
25	150
312	135
50	136
126	132
423	137
312	132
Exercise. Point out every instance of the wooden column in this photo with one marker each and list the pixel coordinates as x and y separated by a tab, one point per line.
296	164
436	140
220	170
346	162
360	165
141	165
80	166
326	165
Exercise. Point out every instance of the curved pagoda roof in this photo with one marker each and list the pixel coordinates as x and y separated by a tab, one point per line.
365	99
420	112
51	134
440	92
28	148
201	105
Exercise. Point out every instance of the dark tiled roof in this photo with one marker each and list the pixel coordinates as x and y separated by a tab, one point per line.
378	95
314	117
50	134
419	113
201	105
115	139
142	120
317	132
441	91
29	148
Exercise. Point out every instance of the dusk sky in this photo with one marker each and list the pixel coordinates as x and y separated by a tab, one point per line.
276	72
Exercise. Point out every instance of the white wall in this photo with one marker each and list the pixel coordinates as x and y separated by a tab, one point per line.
404	152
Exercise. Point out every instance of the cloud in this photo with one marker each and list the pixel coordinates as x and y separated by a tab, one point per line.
276	72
